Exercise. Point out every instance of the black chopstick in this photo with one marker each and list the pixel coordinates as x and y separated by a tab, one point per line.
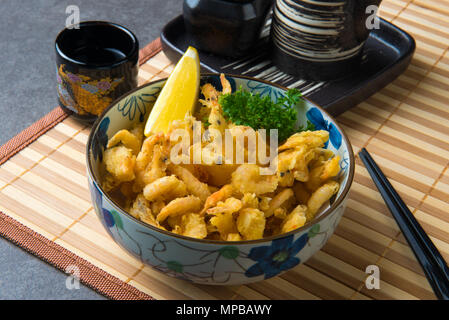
433	264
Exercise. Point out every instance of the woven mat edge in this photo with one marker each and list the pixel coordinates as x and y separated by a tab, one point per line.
43	248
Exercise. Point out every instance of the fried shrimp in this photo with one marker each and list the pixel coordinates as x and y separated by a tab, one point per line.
319	174
128	139
164	187
331	168
146	153
286	162
295	220
247	179
194	186
225	84
155	170
280	199
209	92
320	196
185	126
179	206
220	195
230	205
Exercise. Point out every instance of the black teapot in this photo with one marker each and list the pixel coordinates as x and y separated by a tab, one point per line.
225	27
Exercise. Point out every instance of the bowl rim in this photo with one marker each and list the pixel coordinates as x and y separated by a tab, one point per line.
322	216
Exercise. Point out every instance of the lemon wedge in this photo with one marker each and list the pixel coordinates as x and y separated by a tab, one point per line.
179	94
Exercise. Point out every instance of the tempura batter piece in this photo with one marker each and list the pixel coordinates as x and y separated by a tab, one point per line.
247	179
109	183
251	223
224	223
230	205
120	163
312	139
250	200
234	237
193	225
295	220
141	210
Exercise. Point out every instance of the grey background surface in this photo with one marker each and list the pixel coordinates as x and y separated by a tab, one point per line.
27	92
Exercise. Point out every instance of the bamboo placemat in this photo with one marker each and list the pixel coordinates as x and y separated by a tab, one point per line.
46	206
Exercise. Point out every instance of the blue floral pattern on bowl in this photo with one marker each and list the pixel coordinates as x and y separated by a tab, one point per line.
277	257
213	262
316	117
141	103
265	90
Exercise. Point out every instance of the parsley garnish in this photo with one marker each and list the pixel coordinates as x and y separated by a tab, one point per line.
245	108
206	122
309	127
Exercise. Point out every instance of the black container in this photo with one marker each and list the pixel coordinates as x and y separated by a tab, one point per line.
95	64
225	27
320	40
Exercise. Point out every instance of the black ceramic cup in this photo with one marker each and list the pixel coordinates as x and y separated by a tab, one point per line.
320	39
95	64
227	28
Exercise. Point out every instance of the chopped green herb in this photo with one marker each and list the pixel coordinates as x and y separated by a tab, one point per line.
309	127
206	122
245	108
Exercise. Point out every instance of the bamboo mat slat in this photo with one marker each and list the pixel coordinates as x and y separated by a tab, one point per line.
405	126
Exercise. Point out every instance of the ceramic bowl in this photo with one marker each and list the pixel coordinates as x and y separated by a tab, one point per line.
208	261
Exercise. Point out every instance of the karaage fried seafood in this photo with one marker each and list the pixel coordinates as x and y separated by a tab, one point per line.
247	179
214	199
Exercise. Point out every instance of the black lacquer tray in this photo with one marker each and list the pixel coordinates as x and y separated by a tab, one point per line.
386	55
